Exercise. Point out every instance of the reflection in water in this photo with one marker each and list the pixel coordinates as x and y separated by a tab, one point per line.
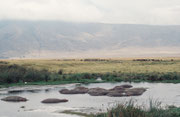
166	93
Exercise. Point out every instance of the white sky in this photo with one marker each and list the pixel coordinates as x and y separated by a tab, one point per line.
157	12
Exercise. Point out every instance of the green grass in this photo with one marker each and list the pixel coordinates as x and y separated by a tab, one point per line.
16	72
131	110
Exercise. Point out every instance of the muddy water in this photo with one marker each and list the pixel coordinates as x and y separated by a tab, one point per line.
168	94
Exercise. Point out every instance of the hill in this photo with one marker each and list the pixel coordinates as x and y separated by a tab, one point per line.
53	39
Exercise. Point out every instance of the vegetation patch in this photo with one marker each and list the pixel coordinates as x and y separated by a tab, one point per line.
130	110
87	71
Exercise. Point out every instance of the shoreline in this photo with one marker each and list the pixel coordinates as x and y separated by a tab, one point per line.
82	82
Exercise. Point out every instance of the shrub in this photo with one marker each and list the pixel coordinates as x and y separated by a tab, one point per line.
60	72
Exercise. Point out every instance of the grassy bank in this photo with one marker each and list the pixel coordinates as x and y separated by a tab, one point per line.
17	72
102	65
130	110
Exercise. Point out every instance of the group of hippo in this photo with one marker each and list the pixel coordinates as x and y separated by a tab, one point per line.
118	91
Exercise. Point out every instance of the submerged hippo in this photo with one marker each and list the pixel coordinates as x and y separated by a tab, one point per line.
14	99
77	90
97	92
54	100
135	91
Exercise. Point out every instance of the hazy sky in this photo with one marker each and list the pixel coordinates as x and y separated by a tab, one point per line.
104	11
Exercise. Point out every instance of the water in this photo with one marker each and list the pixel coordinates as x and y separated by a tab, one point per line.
167	93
